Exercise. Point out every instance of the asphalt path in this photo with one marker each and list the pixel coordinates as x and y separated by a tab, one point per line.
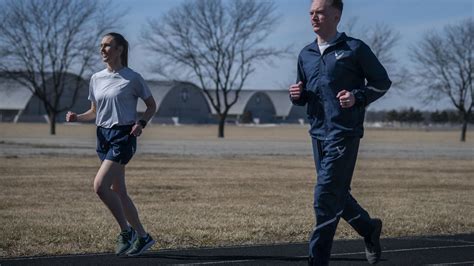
423	250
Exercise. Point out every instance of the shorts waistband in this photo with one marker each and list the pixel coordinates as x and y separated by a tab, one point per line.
118	127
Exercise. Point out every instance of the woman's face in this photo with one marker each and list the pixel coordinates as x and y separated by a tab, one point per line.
109	50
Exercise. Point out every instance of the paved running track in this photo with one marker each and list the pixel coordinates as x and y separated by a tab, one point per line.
423	250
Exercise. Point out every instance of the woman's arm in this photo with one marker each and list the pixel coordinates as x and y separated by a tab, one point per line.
149	113
150	109
86	116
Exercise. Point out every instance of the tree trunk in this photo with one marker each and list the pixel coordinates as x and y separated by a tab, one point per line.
464	128
220	133
52	123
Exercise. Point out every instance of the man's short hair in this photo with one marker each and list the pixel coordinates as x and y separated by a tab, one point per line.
338	4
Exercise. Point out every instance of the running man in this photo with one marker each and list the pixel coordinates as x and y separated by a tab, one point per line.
338	76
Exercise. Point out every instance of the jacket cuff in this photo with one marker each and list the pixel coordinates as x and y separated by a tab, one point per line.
360	99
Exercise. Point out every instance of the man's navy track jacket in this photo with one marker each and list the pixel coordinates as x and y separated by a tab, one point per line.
345	65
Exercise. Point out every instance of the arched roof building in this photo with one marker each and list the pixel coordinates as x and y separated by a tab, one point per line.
19	104
13	100
264	106
177	102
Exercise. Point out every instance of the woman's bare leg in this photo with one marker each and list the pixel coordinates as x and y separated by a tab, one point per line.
127	204
108	172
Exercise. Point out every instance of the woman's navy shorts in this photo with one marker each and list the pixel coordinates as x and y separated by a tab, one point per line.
116	144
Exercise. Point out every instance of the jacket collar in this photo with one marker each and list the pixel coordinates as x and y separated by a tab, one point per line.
314	45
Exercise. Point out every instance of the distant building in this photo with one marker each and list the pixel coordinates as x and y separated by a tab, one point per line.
19	104
286	112
177	103
264	106
35	111
251	106
13	99
297	115
260	108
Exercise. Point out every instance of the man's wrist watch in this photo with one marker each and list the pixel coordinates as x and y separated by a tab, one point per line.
142	123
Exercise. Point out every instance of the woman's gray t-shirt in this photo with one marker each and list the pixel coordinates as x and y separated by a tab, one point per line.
115	95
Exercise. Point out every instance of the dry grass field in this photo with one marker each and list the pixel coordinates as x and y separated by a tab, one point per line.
47	204
209	132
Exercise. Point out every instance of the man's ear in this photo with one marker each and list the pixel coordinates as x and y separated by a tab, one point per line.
338	16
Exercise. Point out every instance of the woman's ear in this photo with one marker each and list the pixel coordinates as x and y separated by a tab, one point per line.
120	49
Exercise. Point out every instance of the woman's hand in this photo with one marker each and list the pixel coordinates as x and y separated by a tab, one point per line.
136	130
71	117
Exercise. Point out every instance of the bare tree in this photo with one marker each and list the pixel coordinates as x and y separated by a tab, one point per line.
43	41
445	67
382	39
216	42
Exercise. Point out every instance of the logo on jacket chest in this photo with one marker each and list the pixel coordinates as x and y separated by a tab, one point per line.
339	54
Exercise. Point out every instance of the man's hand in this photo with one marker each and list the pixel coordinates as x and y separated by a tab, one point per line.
295	91
71	117
346	99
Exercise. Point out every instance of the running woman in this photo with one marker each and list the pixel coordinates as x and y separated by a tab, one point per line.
114	93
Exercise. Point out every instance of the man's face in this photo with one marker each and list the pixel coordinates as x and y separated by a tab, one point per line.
324	18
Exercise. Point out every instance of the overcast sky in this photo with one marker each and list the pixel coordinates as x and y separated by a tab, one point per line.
411	18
